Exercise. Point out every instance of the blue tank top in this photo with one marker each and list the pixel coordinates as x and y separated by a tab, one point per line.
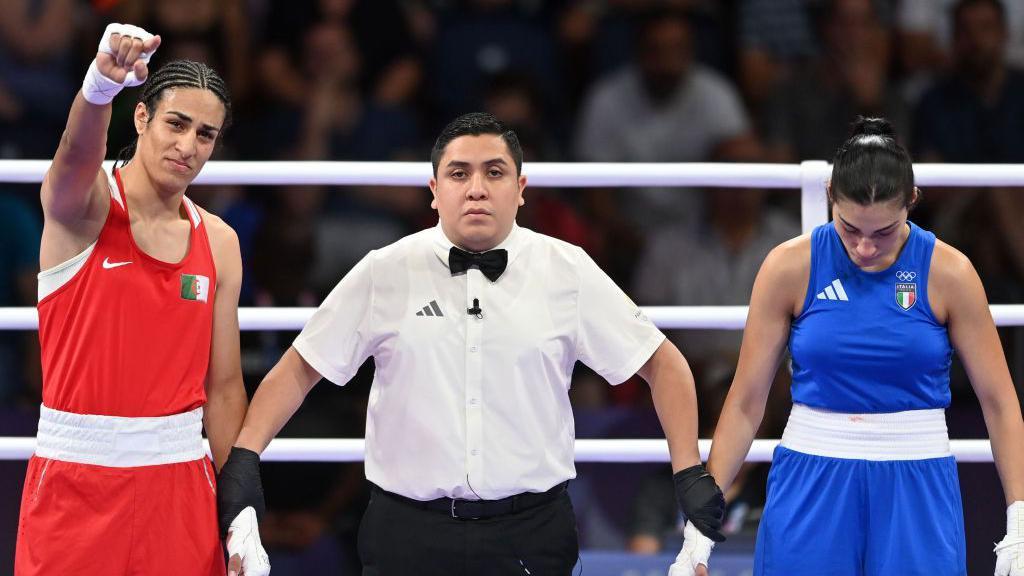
868	341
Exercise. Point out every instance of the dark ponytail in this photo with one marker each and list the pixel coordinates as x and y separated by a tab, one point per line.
178	74
872	167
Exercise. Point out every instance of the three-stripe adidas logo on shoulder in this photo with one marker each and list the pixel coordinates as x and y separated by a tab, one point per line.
834	291
431	309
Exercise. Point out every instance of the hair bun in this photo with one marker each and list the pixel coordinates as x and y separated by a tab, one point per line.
872	127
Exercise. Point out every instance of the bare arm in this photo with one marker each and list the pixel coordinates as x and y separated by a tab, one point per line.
74	187
675	400
973	334
276	400
73	184
779	287
225	391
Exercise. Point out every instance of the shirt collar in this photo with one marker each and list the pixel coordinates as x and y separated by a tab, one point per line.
513	243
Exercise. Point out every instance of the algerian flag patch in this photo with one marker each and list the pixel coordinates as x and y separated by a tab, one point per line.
195	287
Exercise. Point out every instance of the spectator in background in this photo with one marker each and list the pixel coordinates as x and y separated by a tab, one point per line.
596	36
20	373
516	100
36	79
776	37
663	107
338	79
337	121
478	39
926	39
381	32
973	115
807	118
214	32
713	263
20	230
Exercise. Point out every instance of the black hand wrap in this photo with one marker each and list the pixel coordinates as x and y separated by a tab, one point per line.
701	500
239	486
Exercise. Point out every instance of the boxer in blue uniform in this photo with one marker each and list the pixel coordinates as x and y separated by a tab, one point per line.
872	308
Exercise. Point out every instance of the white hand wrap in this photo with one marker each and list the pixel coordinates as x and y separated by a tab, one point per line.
244	540
1010	552
97	88
696	551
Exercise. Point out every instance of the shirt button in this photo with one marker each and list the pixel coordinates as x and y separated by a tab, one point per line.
472	401
474	452
472	348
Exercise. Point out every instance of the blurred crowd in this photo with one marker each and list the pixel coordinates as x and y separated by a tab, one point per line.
579	80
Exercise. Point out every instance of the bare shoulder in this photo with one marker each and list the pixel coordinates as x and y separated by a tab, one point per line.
222	236
781	284
789	261
227	256
953	283
949	266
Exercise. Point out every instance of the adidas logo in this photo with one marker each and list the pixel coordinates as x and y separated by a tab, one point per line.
834	292
431	309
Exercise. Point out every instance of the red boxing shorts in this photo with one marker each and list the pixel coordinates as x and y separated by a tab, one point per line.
111	495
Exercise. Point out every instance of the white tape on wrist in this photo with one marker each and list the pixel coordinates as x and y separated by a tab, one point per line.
244	540
696	551
1010	551
97	88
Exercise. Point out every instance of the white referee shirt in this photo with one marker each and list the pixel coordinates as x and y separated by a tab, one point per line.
465	406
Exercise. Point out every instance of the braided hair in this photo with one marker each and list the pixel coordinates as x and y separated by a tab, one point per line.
178	74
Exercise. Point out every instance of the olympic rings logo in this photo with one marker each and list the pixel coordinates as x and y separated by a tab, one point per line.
905	276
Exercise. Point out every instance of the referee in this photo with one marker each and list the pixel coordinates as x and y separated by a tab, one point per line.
474	326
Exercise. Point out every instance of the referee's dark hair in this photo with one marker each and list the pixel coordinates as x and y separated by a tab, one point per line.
477	124
872	167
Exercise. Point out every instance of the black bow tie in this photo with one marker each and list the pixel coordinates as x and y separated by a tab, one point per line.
492	263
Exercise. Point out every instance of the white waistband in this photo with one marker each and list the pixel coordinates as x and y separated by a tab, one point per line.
119	441
910	435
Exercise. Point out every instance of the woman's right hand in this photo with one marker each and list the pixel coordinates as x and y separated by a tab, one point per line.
125	49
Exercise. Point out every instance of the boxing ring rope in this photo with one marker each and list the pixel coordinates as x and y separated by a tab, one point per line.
606	451
667	317
809	177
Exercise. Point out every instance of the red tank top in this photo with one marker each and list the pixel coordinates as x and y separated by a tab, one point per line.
129	335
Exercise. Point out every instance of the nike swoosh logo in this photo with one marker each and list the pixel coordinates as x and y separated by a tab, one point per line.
107	264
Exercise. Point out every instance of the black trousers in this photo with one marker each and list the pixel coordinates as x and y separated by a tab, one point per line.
398	539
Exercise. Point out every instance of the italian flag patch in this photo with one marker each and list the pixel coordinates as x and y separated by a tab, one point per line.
195	287
906	294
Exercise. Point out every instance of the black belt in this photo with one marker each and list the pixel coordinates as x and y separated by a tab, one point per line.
480	509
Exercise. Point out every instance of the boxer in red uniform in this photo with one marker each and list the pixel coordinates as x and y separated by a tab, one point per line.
138	325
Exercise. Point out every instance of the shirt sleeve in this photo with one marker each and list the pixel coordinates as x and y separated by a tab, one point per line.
339	336
615	337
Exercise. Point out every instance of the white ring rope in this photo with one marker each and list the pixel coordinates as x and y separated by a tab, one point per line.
547	174
667	317
608	451
809	177
543	174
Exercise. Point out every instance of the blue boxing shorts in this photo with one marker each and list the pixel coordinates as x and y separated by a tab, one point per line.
843	516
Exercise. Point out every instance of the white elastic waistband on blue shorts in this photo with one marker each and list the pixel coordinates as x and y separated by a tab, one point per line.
909	435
